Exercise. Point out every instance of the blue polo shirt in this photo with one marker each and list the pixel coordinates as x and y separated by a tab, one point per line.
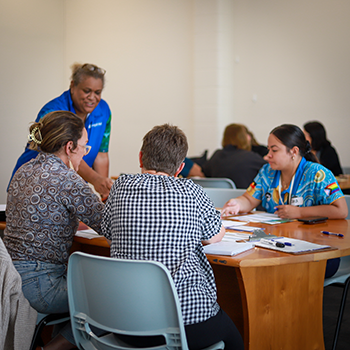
97	125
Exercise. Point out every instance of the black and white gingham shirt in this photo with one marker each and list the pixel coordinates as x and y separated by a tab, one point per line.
163	218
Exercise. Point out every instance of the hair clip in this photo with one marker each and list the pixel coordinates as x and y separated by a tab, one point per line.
31	136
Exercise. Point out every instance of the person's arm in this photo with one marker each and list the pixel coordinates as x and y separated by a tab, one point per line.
196	170
336	210
217	238
241	204
101	182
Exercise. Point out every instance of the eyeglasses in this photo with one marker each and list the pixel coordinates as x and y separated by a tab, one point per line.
93	68
87	148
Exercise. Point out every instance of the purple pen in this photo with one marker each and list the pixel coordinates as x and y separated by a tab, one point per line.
333	233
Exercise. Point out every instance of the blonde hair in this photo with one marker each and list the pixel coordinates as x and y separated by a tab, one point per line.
55	130
236	135
82	71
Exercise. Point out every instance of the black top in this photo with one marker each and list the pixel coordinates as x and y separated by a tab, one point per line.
260	149
236	164
328	157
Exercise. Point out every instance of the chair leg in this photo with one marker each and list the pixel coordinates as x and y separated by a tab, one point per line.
40	326
341	313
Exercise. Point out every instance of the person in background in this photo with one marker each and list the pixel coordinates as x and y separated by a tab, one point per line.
255	146
292	184
157	216
235	160
46	200
84	99
191	169
315	133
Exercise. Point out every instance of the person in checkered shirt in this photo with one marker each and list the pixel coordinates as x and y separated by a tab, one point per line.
157	216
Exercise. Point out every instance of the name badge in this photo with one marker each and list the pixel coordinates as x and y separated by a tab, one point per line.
297	201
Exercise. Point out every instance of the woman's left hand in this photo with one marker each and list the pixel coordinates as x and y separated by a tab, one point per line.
287	211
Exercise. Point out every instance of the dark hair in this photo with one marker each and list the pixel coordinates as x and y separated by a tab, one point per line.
318	135
82	71
236	135
164	148
291	135
55	130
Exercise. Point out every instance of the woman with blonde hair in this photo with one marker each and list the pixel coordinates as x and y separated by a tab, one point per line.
235	160
46	200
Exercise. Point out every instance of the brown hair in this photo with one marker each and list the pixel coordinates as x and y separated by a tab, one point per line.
236	135
82	71
55	130
164	148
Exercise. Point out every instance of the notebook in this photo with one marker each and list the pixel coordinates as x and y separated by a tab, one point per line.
227	248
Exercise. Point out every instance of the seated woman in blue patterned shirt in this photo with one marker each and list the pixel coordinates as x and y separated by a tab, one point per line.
157	216
46	200
292	184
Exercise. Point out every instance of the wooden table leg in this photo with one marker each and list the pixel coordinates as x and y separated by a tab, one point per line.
275	307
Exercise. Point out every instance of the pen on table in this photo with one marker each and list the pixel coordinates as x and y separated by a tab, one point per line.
276	244
333	233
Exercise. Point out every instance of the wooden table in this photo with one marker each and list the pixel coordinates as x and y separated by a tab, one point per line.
274	298
343	181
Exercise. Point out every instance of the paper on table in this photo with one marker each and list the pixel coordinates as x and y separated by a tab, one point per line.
296	245
227	248
230	223
89	233
235	236
265	218
2	207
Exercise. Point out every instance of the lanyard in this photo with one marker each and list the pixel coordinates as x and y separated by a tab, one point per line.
290	191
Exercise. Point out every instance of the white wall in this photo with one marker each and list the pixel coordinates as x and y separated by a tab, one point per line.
31	73
294	56
193	63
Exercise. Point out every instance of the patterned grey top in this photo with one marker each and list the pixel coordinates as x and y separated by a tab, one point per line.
45	202
163	218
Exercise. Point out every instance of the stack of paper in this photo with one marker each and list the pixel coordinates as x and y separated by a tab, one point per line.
227	248
265	218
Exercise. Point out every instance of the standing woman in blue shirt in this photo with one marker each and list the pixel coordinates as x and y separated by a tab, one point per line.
84	99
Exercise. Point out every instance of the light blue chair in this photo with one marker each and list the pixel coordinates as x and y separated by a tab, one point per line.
347	198
219	196
214	182
340	279
346	169
129	299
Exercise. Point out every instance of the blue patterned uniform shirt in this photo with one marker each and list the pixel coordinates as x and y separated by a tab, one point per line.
313	182
163	218
45	202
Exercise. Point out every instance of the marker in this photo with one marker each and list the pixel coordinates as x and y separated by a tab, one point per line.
276	244
333	234
288	244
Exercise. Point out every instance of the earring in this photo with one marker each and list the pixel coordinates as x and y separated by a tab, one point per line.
70	163
293	157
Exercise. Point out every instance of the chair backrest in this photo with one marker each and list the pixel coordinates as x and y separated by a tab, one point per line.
214	182
346	169
220	196
129	298
347	198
